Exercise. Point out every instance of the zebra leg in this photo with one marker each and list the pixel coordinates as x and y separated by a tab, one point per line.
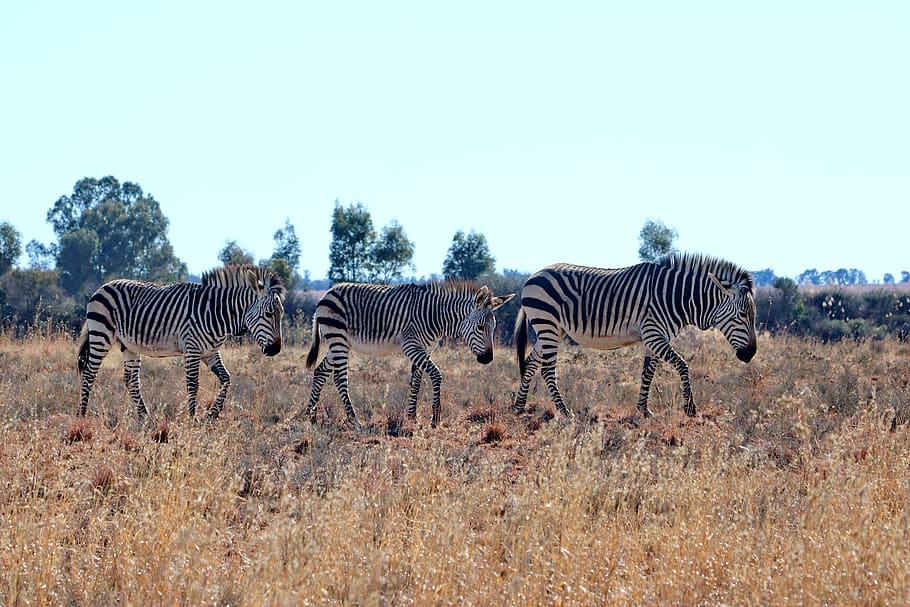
319	376
665	351
92	362
421	361
682	368
224	378
191	365
341	382
131	366
548	370
532	364
647	374
414	384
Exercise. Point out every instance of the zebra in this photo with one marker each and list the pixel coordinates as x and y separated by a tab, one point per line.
649	302
383	319
191	319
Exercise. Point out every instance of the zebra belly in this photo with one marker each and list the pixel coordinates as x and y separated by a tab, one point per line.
382	348
168	347
605	342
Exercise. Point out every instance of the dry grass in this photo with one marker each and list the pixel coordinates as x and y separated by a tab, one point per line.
791	487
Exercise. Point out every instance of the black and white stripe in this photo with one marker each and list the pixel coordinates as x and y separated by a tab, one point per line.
383	319
649	302
191	319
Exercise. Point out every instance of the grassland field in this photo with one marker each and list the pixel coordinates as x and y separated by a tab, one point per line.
790	487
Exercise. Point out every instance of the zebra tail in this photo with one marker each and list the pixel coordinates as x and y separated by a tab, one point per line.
521	340
314	347
82	359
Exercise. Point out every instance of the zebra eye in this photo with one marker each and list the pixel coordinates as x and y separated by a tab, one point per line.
481	327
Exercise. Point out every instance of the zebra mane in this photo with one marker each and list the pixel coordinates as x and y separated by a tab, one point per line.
235	275
725	271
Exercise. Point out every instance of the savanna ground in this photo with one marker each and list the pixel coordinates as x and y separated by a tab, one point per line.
791	486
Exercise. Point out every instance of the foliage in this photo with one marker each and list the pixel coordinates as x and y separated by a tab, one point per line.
833	314
468	257
390	253
285	260
656	240
764	278
352	240
233	253
105	230
358	255
40	256
10	246
841	277
33	297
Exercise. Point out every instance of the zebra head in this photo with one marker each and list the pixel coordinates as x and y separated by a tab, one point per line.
477	327
735	316
263	317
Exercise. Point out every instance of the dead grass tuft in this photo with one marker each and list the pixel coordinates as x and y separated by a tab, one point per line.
493	433
161	434
480	415
80	431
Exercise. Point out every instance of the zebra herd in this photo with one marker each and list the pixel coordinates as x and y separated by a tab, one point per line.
596	307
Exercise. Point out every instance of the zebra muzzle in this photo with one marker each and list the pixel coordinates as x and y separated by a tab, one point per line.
486	357
272	349
746	354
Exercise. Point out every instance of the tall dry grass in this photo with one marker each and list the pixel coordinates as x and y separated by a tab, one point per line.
791	487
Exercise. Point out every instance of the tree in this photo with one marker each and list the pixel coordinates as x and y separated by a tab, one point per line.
888	278
40	256
352	242
286	258
287	245
129	230
656	240
233	253
468	258
764	278
810	276
10	246
390	254
905	276
75	249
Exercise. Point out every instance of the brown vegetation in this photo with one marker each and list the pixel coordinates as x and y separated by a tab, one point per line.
790	487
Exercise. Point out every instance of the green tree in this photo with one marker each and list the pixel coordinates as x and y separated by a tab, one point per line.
285	260
40	256
655	240
352	242
10	246
287	245
390	254
468	258
128	226
233	253
35	297
76	247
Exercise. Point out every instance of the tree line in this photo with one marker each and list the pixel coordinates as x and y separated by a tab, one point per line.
106	229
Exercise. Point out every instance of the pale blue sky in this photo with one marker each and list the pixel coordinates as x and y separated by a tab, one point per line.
773	134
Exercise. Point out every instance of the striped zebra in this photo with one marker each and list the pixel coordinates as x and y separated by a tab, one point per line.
383	319
184	318
649	302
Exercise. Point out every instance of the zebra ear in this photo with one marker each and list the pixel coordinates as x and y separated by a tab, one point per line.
727	289
499	300
253	281
482	297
